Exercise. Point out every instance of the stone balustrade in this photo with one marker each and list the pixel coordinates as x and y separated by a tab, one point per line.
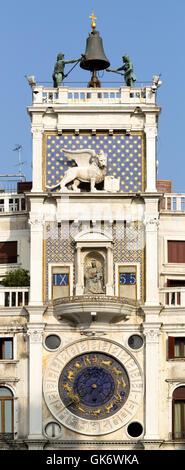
173	202
173	296
14	296
72	96
11	202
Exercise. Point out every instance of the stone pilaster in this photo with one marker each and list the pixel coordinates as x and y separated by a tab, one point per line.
152	332
37	132
151	134
151	251
36	260
35	333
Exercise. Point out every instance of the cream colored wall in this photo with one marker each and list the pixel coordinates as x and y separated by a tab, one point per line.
15	227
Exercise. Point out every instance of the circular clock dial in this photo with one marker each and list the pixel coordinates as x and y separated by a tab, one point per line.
94	386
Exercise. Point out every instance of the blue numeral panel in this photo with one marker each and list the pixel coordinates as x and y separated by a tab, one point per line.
61	279
127	278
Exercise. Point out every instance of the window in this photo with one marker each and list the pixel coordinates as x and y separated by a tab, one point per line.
6	411
1	205
6	348
60	281
8	252
176	251
127	281
53	429
176	347
135	342
175	282
135	429
52	342
178	413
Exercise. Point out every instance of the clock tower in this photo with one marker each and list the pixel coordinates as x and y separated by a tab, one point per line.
94	304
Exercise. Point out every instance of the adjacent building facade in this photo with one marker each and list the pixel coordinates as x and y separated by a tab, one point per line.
92	353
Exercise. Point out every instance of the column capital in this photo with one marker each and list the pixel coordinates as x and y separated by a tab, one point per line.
37	131
36	221
35	332
151	223
150	131
152	332
35	335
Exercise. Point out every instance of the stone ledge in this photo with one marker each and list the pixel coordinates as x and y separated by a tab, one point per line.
95	298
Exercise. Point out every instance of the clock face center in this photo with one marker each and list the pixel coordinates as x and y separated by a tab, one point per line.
94	386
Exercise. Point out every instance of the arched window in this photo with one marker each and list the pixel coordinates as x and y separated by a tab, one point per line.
6	411
178	413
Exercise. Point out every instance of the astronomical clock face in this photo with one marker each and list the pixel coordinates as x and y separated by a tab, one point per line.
93	386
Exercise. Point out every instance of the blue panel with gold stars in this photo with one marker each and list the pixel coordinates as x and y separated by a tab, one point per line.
125	156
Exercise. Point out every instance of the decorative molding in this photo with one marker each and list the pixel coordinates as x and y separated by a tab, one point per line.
8	380
176	381
96	298
92	333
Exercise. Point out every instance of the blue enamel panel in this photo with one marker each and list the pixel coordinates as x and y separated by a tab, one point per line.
124	157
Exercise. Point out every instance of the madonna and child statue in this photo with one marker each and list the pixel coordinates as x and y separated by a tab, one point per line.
94	282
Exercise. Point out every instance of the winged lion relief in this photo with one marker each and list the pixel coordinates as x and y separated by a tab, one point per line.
88	170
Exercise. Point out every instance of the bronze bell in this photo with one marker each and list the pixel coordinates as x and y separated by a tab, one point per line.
95	58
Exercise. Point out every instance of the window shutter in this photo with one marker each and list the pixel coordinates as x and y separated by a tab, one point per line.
176	251
171	345
8	252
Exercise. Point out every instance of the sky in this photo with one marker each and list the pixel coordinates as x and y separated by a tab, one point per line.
150	32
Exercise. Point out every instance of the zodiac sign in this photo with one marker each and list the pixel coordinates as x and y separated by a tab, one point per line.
95	359
87	360
118	383
123	382
106	363
67	387
70	374
118	397
97	412
116	371
78	365
108	408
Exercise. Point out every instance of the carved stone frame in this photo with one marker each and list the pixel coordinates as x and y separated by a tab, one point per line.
94	242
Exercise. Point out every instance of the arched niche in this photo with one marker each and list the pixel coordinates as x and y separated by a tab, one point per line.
97	246
94	273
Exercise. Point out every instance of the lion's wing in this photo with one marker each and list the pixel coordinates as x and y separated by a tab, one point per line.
81	157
